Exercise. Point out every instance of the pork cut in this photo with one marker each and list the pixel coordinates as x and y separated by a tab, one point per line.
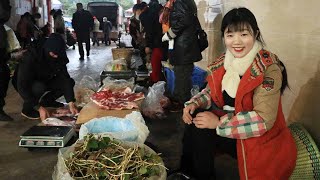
117	99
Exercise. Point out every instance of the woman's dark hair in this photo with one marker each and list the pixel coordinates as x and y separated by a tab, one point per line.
239	19
285	82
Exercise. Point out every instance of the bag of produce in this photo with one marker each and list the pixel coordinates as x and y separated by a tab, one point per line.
105	158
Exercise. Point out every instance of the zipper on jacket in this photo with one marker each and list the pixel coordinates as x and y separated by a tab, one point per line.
244	161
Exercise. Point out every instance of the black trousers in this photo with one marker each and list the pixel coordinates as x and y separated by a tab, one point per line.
4	81
182	82
199	149
44	92
83	39
95	38
107	40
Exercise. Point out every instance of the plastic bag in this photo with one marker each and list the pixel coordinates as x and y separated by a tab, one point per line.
152	106
60	171
130	128
13	43
83	91
57	122
136	59
112	83
116	65
89	82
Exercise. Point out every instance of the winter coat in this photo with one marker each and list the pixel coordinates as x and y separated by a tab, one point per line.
4	55
153	30
184	31
59	26
38	66
273	154
96	26
107	27
82	23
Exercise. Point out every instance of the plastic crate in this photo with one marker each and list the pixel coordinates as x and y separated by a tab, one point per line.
198	78
170	79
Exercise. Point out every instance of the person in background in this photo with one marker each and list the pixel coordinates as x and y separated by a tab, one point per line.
107	27
25	29
240	110
8	44
149	19
82	23
42	77
135	30
134	27
59	26
185	49
95	31
46	30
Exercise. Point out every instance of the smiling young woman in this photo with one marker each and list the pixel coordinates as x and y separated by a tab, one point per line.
240	110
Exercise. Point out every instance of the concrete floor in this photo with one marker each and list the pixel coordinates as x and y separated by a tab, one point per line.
19	163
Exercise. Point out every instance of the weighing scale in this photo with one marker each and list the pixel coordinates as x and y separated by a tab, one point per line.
46	136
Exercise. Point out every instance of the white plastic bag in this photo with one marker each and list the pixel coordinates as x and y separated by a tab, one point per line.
60	171
57	122
131	128
112	83
116	65
152	104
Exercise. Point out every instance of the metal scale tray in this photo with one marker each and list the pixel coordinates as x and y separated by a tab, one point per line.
47	136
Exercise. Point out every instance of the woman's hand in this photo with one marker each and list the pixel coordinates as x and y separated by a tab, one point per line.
187	111
44	113
73	108
206	119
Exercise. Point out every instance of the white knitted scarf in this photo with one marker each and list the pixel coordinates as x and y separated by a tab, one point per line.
236	67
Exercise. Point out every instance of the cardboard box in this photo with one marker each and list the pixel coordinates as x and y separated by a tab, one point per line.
92	110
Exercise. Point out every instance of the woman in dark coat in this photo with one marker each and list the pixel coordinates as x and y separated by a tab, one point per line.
185	50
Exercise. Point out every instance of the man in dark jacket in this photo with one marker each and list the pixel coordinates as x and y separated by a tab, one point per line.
107	27
135	30
149	19
42	77
185	50
5	9
82	23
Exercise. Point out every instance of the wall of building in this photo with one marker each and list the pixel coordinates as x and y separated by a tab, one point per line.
19	7
291	29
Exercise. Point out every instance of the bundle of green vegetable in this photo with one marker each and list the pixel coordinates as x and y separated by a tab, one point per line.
103	158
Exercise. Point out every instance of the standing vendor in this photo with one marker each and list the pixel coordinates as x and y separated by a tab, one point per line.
8	43
43	77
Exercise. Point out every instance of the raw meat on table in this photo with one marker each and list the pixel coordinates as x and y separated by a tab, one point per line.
117	99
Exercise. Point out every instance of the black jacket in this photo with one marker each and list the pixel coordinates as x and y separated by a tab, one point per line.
152	28
38	66
82	23
184	30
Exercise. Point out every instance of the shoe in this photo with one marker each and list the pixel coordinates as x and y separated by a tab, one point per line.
30	114
81	58
53	104
88	54
176	107
5	117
